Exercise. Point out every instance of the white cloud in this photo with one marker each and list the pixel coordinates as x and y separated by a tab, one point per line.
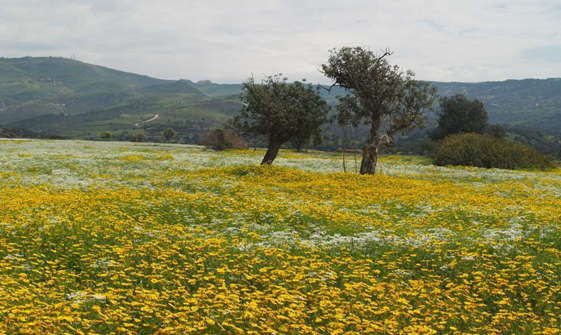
226	41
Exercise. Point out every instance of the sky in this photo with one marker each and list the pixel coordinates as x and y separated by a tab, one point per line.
228	41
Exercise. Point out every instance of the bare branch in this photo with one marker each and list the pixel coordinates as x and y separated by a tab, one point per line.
330	87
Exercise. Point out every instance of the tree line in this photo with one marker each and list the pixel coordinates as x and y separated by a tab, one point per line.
383	97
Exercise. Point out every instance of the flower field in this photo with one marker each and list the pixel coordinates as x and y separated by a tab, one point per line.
123	238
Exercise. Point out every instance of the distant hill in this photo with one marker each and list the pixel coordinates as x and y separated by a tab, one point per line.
534	103
69	98
65	97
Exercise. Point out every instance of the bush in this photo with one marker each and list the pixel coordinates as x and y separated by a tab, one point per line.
488	152
219	139
169	133
139	137
105	136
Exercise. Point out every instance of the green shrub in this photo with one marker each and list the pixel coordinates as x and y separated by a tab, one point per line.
139	137
488	152
105	136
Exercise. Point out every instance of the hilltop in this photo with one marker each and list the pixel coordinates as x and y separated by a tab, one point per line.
65	97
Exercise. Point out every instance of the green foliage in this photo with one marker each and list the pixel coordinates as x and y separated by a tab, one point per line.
379	94
545	142
529	102
488	152
24	133
139	137
169	133
280	112
458	114
106	135
496	131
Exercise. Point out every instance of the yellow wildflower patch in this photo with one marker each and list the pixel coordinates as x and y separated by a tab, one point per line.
184	241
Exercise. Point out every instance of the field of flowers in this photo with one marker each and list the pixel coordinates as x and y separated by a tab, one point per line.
122	238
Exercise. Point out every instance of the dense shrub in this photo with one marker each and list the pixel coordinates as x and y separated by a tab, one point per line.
139	137
105	136
220	139
488	152
169	133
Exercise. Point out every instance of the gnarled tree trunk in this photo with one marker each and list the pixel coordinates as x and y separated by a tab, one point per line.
272	151
370	151
370	157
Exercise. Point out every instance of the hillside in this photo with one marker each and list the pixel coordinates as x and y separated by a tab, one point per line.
74	99
534	103
69	98
36	86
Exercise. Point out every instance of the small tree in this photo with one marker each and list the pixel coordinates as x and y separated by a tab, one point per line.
139	137
280	111
169	133
105	136
379	94
458	115
220	139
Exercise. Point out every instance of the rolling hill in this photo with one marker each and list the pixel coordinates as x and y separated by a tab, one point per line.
78	100
65	97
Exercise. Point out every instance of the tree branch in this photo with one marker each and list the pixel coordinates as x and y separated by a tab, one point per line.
330	87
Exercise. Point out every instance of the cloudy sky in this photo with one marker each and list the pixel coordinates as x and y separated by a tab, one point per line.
226	41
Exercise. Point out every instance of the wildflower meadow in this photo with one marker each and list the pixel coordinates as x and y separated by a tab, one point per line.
134	238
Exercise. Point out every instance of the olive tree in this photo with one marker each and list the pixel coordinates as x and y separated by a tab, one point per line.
280	111
386	97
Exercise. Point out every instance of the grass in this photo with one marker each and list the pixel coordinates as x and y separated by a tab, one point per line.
101	238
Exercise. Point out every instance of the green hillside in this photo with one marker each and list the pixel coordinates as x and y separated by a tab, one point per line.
534	103
31	87
74	99
65	97
191	115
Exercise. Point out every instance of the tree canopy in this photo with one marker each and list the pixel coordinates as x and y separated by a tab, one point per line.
169	133
379	94
106	135
281	112
458	114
